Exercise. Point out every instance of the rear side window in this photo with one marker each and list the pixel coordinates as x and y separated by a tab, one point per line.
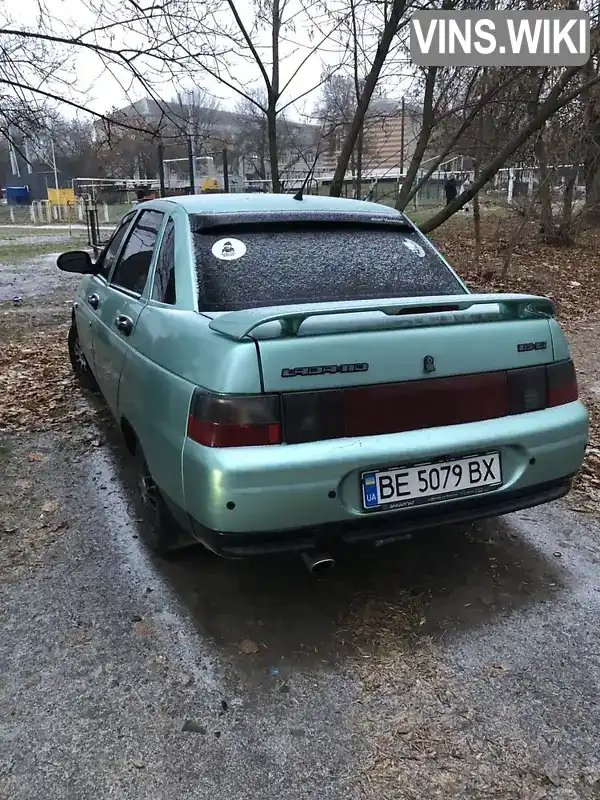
274	264
132	269
164	275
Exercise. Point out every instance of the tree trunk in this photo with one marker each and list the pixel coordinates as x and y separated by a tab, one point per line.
273	149
591	210
565	231
476	169
273	97
545	185
427	124
359	155
360	137
477	230
389	32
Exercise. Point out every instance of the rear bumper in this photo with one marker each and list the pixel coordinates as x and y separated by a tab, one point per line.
285	488
393	526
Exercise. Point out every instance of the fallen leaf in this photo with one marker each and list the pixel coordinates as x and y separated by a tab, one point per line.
36	457
143	628
247	646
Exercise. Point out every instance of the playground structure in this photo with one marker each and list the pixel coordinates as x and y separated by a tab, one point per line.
177	174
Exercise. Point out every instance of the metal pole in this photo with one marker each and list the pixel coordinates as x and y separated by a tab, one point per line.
92	216
161	168
225	171
191	165
58	208
402	141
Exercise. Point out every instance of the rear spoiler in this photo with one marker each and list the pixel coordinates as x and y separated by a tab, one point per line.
238	324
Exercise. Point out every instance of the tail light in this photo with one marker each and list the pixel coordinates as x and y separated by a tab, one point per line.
527	389
234	420
562	383
426	403
245	420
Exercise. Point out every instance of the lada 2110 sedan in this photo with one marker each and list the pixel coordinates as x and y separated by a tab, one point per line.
292	372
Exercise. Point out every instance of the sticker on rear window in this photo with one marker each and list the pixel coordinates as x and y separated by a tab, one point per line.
414	248
228	249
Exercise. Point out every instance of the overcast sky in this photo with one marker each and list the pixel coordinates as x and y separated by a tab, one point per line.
104	88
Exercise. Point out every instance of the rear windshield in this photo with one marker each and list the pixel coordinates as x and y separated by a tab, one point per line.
284	263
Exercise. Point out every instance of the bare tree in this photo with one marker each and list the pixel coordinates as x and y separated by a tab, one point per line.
251	50
391	25
197	114
252	138
562	91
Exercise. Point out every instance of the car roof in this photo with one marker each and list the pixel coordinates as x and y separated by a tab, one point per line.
273	203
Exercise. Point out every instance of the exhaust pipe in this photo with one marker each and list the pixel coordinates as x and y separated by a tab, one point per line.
318	563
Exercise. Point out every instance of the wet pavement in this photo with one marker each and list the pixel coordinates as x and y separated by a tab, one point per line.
33	276
38	278
462	663
122	675
104	664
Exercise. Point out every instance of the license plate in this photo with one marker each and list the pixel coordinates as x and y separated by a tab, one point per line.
423	483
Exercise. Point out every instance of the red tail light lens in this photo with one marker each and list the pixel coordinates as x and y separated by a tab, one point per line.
246	420
562	383
527	389
426	403
234	420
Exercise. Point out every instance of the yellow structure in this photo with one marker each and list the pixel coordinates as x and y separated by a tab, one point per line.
61	197
209	184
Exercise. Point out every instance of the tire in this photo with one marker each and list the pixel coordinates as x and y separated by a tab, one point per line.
79	362
163	533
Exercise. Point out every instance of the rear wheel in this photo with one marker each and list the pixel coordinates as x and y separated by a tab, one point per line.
163	533
79	362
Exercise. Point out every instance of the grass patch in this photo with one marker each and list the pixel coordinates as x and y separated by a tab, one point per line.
22	251
9	233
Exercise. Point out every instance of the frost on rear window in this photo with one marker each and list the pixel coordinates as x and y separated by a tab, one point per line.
285	264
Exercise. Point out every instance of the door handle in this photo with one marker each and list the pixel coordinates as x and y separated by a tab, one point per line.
124	324
94	301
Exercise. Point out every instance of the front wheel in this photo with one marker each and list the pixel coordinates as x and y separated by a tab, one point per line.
79	362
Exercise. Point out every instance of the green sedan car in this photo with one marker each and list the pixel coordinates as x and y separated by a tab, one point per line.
293	373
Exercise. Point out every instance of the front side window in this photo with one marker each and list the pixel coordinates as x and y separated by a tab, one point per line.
132	269
108	257
248	265
164	275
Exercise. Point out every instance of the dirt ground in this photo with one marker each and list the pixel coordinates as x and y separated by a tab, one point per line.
463	663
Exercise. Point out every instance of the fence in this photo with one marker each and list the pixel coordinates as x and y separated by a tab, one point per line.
42	212
504	191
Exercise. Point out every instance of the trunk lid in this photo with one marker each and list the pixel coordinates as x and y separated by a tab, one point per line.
376	342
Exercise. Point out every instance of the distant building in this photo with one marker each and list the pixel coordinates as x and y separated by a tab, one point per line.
390	134
391	131
213	129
